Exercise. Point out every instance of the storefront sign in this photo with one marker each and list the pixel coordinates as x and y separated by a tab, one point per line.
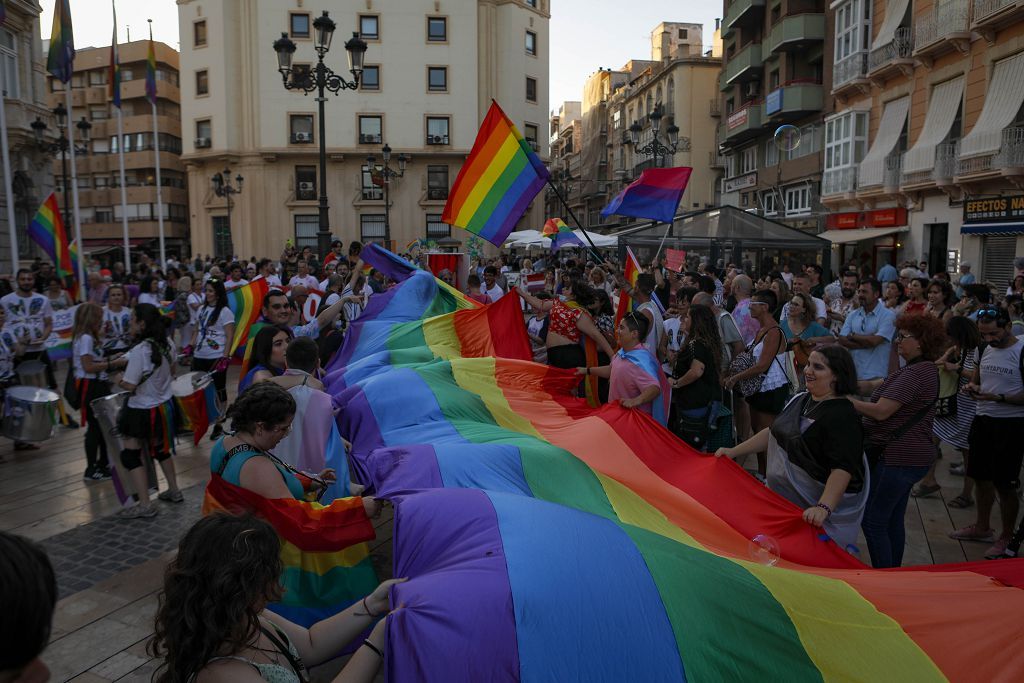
994	209
773	102
879	218
741	182
737	119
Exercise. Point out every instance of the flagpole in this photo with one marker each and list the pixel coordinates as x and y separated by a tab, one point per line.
8	191
124	192
159	185
74	196
593	249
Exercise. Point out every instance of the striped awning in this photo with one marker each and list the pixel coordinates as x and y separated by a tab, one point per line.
1006	228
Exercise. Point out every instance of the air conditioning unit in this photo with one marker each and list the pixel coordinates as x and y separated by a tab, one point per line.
202	143
369	139
302	137
306	187
534	145
437	194
437	139
753	89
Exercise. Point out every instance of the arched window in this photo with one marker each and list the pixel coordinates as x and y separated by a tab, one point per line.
670	99
650	103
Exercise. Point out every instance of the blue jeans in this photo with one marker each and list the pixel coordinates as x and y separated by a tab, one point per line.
886	507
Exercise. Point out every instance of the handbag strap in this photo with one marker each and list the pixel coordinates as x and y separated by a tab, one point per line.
278	641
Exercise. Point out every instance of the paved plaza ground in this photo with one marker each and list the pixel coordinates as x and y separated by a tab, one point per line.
110	571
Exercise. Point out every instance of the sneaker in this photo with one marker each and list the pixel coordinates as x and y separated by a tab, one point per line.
217	432
171	496
997	550
971	532
138	512
99	474
89	472
71	423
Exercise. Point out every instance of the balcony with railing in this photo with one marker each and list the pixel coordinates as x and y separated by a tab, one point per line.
838	182
794	99
947	28
881	175
1007	160
893	58
850	73
745	64
741	13
796	31
992	15
716	160
941	173
715	108
744	123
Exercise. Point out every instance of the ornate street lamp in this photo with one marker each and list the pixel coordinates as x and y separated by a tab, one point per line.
222	187
655	148
62	145
387	174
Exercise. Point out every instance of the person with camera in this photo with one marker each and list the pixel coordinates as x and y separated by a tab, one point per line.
997	435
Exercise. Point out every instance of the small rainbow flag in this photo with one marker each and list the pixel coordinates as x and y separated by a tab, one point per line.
151	69
48	231
245	302
561	235
498	181
115	65
631	272
61	59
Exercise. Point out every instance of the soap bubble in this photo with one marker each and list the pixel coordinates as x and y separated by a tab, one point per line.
787	137
764	550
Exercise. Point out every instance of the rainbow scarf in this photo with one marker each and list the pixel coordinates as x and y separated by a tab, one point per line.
517	501
326	562
497	182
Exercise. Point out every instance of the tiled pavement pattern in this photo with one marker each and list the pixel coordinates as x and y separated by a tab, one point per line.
110	571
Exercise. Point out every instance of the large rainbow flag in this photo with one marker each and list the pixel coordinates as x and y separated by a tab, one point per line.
546	540
60	60
48	231
151	69
327	565
497	182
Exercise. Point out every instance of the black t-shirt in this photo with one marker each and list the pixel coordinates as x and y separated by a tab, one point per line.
664	293
706	389
835	440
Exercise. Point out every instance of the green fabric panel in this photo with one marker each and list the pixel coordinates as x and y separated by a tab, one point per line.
341	584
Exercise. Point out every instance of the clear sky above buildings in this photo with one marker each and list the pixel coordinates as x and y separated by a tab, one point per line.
585	34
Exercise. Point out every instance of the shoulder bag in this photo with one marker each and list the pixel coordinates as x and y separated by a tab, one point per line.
745	360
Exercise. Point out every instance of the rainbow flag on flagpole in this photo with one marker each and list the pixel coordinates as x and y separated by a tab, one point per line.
115	65
560	234
245	302
60	61
498	181
151	69
48	231
631	272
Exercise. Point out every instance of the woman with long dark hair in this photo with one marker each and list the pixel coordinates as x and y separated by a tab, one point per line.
267	359
941	299
90	367
117	320
145	420
569	322
149	290
211	341
212	625
697	376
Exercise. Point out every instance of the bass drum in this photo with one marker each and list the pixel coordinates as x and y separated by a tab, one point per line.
106	410
30	413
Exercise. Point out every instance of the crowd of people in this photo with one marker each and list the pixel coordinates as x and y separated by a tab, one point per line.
842	391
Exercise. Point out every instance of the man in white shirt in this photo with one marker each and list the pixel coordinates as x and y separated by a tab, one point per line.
235	278
268	271
802	285
491	288
304	278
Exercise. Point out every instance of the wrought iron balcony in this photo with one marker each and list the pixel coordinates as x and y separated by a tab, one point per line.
839	181
945	29
850	71
893	56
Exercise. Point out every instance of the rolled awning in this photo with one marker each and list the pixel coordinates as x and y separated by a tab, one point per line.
1007	228
872	169
847	236
945	101
894	13
1002	102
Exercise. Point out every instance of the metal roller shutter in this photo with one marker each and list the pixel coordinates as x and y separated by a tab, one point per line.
997	260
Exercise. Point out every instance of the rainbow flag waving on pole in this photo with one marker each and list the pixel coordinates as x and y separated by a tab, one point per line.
151	69
61	59
498	181
48	231
115	65
631	272
561	235
245	302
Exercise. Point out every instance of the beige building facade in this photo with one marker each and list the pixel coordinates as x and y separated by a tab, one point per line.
928	133
99	180
433	67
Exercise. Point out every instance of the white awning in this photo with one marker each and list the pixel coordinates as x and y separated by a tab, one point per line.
894	13
856	235
945	101
1002	102
872	169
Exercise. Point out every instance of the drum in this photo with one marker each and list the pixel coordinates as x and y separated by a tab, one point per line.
30	413
195	403
32	373
106	410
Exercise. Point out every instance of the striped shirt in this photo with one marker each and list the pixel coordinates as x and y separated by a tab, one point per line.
913	387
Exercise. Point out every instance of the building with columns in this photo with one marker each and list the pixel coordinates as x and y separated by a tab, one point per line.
432	69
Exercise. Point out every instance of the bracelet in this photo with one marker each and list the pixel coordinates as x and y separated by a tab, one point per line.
368	612
373	647
825	507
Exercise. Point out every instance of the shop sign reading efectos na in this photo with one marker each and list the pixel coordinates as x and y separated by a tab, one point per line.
994	209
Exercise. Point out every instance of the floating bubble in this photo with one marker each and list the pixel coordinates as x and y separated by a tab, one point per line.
787	137
764	550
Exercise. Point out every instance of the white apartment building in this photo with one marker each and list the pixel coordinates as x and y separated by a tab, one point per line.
432	69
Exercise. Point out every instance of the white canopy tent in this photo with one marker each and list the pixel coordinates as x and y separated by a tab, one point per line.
533	238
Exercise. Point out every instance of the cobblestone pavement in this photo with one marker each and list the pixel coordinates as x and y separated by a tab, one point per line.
93	552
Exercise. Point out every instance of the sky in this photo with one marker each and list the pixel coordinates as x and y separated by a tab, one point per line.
615	31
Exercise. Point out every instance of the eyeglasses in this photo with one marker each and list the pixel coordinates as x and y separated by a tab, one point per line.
903	335
990	313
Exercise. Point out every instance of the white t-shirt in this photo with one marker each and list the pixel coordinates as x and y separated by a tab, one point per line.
231	284
657	326
820	309
322	286
195	302
309	282
156	390
118	326
27	315
7	346
84	345
147	298
353	310
676	337
212	337
1000	374
494	293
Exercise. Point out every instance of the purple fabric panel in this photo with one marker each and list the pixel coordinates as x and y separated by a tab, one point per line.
454	618
403	468
357	424
392	265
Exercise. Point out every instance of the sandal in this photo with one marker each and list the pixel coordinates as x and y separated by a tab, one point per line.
961	501
923	490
